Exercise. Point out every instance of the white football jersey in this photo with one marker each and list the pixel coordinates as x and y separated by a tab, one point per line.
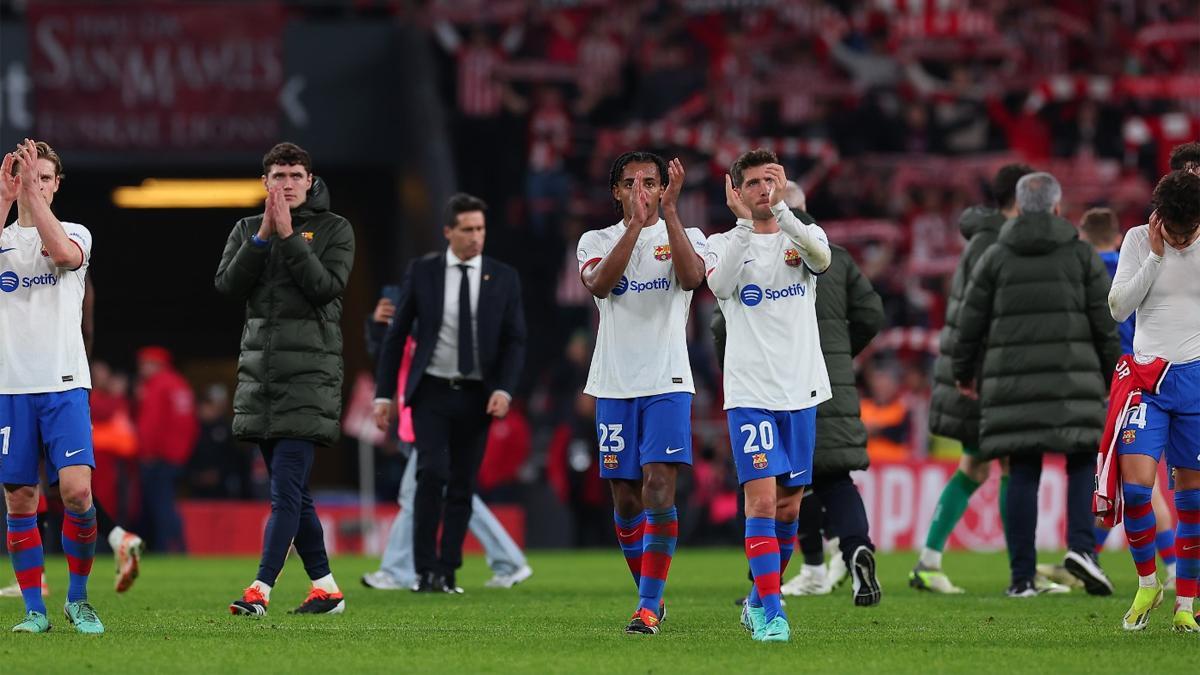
41	315
641	345
772	349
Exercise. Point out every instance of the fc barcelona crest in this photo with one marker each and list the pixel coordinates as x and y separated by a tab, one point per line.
791	257
1128	436
662	252
610	462
760	461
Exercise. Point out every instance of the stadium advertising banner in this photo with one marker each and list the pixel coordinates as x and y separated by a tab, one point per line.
900	499
130	77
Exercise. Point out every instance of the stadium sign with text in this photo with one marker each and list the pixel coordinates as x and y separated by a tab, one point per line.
157	77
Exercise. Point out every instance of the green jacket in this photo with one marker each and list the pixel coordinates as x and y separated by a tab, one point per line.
849	314
1035	324
950	413
290	366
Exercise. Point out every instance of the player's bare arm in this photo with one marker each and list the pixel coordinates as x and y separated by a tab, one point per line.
33	204
10	184
813	250
602	276
688	268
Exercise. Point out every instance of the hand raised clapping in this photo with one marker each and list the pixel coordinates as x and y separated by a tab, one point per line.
10	183
674	185
734	201
779	181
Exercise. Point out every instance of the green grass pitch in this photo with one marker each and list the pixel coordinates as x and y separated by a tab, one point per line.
569	618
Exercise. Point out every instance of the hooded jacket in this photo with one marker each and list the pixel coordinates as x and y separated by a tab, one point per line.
1035	326
290	368
950	413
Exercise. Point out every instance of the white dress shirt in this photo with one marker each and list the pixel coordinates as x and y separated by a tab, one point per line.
444	362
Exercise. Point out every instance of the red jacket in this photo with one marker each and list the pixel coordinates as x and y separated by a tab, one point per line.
1129	380
166	418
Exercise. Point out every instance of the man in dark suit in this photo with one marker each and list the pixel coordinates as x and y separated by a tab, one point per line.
470	330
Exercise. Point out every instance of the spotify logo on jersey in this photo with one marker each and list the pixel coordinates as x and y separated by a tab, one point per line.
625	285
9	281
751	295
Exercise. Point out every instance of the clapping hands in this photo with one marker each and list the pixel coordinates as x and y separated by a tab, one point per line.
277	217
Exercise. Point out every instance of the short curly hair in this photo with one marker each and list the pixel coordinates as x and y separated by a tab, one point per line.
1185	156
287	154
1177	200
636	157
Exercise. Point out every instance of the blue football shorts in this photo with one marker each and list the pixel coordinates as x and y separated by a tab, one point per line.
1168	421
773	443
56	426
643	430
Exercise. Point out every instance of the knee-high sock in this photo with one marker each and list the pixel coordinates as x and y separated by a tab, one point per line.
950	508
25	549
658	548
785	532
79	544
630	532
762	550
1165	543
1139	527
1187	543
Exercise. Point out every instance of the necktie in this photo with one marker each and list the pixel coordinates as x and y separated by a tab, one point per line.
466	336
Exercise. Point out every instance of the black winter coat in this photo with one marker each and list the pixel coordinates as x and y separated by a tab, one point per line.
950	413
290	368
1035	324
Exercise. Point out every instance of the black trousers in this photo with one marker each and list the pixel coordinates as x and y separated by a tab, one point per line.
835	507
293	517
1025	474
450	422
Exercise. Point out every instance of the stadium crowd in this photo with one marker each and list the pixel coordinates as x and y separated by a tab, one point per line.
893	116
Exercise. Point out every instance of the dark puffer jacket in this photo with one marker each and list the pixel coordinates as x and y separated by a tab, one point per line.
290	367
950	413
849	314
1035	324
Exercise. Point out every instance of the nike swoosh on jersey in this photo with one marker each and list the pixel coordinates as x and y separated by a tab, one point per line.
6	250
671	451
747	262
799	473
72	453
